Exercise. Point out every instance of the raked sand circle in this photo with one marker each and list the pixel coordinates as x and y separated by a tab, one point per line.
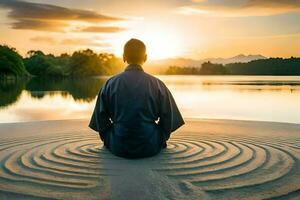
73	164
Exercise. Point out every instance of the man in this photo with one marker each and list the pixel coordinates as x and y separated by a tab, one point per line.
135	112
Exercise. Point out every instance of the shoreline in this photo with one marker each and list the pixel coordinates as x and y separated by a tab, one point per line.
189	119
204	125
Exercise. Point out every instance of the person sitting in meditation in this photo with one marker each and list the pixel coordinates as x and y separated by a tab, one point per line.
135	113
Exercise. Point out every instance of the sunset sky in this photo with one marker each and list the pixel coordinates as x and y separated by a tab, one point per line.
170	28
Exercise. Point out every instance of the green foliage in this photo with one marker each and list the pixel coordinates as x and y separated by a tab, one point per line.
85	63
112	64
207	68
81	64
39	64
88	63
11	63
173	70
271	66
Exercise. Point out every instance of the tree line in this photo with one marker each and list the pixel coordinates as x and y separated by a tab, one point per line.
36	63
270	66
85	63
207	68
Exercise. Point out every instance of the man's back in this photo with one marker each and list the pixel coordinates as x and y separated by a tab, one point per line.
131	103
133	97
135	112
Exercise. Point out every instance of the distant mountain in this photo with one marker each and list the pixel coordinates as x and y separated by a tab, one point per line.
236	59
195	63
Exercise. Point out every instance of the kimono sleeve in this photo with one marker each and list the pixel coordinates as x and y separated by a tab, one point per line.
100	120
170	118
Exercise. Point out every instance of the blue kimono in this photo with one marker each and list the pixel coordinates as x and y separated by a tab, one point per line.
135	114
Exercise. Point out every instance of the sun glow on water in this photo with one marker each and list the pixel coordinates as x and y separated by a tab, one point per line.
232	97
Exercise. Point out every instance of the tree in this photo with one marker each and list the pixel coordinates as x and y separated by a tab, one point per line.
173	70
271	66
110	63
11	62
85	63
40	64
209	68
37	63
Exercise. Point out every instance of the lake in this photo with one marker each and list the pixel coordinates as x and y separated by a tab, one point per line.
261	98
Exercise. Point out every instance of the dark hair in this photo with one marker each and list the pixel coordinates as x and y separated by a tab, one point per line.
134	51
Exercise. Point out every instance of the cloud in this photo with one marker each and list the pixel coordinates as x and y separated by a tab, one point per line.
232	8
86	42
43	39
39	16
83	42
41	25
102	29
28	10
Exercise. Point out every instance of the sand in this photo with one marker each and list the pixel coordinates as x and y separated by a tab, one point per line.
205	159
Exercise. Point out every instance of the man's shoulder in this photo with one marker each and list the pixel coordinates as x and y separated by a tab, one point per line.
146	76
153	78
114	78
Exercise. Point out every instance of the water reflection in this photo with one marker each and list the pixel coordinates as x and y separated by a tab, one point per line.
10	91
230	97
84	89
238	83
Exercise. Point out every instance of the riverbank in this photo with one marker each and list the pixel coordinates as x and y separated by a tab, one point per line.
205	159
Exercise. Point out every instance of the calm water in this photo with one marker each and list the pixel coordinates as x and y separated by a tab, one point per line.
266	98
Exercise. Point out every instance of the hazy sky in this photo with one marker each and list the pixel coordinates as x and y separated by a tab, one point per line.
170	28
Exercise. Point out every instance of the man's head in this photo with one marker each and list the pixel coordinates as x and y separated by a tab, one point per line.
135	52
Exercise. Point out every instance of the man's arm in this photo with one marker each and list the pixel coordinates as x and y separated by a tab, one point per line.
170	117
100	120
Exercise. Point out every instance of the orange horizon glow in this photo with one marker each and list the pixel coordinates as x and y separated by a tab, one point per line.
169	29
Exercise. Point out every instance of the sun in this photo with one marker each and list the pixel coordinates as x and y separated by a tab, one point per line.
161	42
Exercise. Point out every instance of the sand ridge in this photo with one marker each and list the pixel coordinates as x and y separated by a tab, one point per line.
207	159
